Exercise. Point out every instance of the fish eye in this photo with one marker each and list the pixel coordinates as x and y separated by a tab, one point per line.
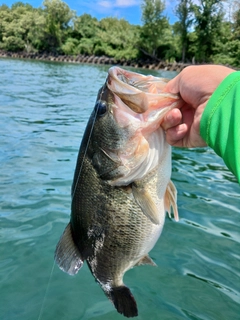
100	108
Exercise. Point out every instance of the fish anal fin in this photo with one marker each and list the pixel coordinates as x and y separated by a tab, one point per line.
146	260
170	200
146	203
123	301
67	255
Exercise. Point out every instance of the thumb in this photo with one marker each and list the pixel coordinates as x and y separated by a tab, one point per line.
173	85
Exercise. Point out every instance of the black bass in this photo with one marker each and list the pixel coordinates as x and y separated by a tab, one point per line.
121	188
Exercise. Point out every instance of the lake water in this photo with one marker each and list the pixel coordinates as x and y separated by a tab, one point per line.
44	108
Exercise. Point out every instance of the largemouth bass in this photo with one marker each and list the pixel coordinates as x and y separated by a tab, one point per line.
121	188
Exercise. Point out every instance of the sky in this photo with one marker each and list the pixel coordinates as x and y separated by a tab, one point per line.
129	10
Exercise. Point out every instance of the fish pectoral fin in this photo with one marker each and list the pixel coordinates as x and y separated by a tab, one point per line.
170	200
67	255
146	203
146	260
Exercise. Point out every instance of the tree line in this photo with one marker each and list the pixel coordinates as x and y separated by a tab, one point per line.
203	32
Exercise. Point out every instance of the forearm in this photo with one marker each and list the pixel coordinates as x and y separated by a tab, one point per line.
220	122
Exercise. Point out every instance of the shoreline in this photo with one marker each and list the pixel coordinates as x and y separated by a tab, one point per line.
91	59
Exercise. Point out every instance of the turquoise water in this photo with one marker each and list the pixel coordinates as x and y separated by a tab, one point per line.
43	111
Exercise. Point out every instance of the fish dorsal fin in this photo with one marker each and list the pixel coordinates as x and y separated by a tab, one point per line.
170	200
146	260
146	203
67	255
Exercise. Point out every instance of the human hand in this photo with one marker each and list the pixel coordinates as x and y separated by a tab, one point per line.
195	84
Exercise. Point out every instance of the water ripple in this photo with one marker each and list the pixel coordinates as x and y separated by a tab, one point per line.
44	109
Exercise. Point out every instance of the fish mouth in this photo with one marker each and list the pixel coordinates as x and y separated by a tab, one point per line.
140	93
140	96
137	105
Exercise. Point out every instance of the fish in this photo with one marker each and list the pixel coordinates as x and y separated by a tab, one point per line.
122	184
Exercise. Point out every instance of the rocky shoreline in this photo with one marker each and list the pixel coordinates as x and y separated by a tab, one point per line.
145	64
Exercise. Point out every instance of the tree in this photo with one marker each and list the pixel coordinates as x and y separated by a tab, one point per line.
4	14
208	19
83	36
202	31
20	27
236	22
116	38
184	12
154	24
85	26
58	19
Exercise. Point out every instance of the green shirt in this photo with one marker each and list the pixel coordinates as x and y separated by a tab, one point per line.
220	122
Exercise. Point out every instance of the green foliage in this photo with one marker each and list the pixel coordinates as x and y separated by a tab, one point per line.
227	47
58	17
12	43
208	19
69	47
202	33
86	46
20	27
116	38
84	30
236	23
154	26
85	26
184	12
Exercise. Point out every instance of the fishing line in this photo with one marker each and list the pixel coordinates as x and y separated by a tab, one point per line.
46	292
84	156
86	149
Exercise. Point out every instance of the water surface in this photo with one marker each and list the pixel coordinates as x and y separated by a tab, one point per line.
44	108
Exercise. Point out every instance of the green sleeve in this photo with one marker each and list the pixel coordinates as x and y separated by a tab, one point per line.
220	122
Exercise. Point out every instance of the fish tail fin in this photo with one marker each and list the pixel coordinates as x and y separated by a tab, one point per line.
123	301
67	255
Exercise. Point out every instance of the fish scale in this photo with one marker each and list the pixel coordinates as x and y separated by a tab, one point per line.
121	188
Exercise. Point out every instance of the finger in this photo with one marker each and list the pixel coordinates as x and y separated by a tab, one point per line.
173	85
172	119
176	135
